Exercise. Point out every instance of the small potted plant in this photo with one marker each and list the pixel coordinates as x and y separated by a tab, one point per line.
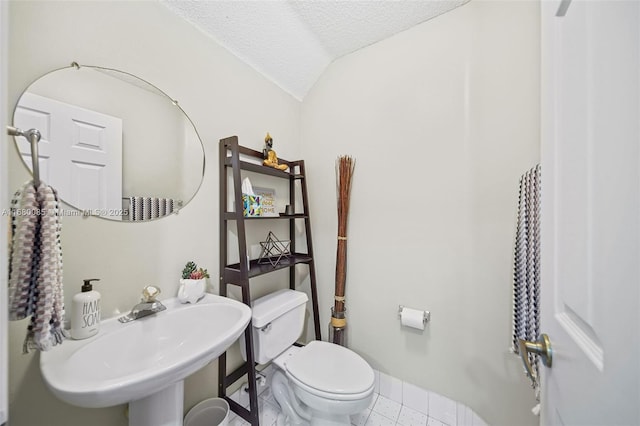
193	283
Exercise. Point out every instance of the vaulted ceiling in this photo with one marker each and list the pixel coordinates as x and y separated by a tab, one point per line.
292	42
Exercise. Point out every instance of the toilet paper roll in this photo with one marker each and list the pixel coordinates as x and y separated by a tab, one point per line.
412	318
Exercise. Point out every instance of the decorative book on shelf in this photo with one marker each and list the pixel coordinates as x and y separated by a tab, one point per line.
267	201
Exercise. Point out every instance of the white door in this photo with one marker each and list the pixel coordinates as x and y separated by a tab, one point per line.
4	204
591	211
80	153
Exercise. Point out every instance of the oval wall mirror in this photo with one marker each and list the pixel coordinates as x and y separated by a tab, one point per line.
113	145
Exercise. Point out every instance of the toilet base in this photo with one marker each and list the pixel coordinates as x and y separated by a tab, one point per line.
293	413
326	419
296	406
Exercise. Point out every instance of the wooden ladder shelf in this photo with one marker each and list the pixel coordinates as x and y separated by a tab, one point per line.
240	273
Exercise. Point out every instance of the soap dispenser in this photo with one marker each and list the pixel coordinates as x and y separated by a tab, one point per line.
85	312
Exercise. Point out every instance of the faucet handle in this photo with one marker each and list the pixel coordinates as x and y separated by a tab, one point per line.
149	293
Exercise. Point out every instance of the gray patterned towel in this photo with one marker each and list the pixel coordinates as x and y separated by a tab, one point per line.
147	208
526	269
35	267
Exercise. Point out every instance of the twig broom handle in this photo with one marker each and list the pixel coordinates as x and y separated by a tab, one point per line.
345	166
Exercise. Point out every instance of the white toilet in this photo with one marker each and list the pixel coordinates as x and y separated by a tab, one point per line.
318	384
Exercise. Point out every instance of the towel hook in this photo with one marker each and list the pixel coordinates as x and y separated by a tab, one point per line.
33	136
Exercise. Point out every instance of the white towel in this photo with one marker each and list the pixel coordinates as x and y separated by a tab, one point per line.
35	276
526	269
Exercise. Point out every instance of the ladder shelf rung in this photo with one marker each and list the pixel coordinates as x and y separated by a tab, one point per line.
256	269
259	168
233	216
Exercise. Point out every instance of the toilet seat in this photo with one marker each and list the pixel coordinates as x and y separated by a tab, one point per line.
329	395
330	371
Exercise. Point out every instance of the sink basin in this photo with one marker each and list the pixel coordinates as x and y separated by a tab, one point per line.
133	361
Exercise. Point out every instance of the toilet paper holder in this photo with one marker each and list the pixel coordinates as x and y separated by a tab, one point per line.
426	315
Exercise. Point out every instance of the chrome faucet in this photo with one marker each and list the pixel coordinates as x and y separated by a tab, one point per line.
148	305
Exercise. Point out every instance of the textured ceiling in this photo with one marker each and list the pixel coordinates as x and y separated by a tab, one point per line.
292	42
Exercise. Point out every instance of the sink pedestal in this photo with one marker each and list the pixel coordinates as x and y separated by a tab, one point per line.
163	408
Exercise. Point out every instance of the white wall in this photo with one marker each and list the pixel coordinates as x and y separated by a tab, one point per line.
223	97
442	120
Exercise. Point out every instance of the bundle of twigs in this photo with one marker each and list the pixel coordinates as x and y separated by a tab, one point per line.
345	166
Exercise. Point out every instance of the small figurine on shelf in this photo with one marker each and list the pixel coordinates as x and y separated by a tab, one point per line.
270	157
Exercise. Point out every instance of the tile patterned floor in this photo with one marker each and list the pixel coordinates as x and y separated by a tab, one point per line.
383	411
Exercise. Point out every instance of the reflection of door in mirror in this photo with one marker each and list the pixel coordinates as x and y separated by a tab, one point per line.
150	152
85	163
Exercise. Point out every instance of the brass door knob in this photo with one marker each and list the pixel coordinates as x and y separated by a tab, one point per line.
542	347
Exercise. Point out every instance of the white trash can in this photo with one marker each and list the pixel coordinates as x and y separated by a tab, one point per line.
210	412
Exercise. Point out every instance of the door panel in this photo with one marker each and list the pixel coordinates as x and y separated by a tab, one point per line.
86	169
591	212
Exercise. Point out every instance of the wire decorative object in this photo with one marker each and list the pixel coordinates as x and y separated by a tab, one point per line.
274	250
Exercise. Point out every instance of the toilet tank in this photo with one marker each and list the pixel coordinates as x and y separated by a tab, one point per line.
277	320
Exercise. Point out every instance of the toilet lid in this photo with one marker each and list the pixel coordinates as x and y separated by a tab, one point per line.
331	368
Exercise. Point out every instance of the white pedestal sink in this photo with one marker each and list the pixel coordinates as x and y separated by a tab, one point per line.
144	362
